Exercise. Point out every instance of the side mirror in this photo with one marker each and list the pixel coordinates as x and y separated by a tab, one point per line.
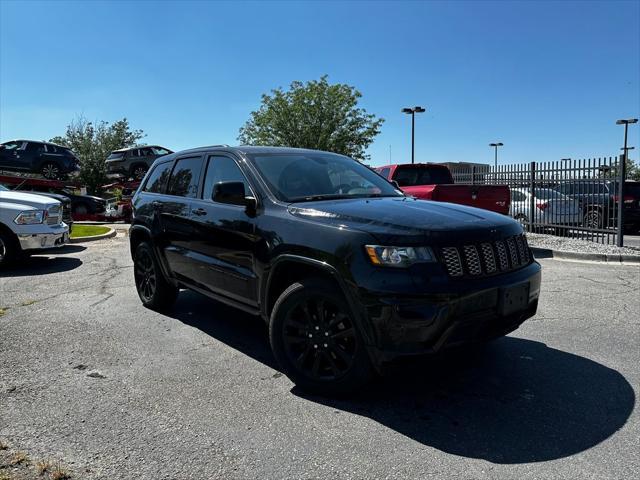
234	194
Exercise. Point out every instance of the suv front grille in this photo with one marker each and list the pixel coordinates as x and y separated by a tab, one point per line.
487	258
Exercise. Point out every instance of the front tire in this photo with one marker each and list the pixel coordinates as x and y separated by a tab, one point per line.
9	249
154	290
316	341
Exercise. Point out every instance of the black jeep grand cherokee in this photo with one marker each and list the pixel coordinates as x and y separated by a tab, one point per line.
348	272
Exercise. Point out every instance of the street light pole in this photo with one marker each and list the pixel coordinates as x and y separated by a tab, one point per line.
495	159
622	178
413	112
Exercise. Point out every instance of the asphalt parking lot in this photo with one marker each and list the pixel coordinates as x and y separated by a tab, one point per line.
90	377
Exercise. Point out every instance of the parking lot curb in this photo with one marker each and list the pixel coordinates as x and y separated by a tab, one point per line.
586	257
111	233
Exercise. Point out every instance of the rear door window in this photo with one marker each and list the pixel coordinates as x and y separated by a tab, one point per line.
158	178
408	176
185	177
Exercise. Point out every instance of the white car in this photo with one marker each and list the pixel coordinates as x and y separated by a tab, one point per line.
29	223
550	207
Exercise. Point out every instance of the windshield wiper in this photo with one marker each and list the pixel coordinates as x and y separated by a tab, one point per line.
326	196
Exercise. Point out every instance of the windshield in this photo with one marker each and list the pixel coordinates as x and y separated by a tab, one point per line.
317	176
410	176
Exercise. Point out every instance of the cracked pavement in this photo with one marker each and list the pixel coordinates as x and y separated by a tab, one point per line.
114	390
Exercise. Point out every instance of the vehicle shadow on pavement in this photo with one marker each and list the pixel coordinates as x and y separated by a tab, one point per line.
512	401
239	330
41	265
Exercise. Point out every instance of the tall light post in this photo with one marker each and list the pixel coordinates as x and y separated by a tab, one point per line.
623	176
495	157
412	112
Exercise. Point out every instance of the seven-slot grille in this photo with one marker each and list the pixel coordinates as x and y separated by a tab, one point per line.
53	215
486	258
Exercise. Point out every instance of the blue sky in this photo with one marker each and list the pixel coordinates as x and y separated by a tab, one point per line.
546	78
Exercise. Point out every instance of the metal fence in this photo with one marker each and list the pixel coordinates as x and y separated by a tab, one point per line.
571	198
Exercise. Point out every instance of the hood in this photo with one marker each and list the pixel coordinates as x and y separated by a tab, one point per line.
407	219
31	199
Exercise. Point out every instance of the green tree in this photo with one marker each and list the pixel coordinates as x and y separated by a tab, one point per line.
93	142
313	115
632	170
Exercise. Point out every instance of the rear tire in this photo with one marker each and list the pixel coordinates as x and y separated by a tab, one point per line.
316	341
593	219
154	290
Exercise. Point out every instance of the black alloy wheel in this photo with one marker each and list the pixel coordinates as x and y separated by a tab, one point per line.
145	276
154	290
50	171
139	172
320	339
316	341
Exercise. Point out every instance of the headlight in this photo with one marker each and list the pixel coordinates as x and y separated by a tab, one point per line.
30	217
398	256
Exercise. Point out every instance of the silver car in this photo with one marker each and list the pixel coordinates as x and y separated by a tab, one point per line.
550	207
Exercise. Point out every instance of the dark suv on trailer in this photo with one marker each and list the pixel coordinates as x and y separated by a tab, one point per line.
347	271
47	159
134	162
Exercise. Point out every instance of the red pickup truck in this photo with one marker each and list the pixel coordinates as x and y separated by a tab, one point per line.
430	181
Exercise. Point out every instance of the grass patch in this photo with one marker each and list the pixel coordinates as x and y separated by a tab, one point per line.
80	231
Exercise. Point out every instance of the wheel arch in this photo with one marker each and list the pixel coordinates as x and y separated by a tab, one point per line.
288	268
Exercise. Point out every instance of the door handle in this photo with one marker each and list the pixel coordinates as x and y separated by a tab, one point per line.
199	211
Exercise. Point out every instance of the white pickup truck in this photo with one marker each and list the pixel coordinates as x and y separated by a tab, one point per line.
29	223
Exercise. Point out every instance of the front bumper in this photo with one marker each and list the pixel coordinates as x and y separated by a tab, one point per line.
53	238
474	312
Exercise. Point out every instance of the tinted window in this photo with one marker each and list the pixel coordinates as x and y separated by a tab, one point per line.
160	151
134	153
145	152
157	179
313	176
408	176
566	188
115	156
185	177
11	145
222	169
34	147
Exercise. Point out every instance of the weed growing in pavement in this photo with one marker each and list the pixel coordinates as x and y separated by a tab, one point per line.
44	466
60	473
19	458
3	445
